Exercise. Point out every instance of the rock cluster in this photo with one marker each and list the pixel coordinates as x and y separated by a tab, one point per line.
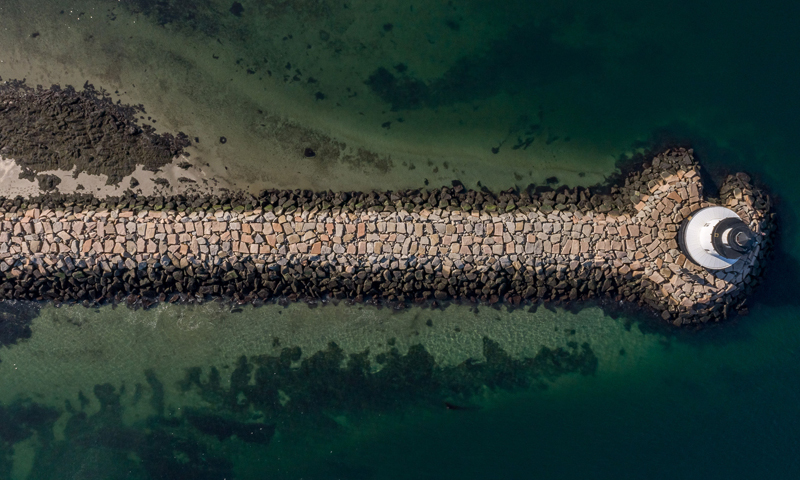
52	129
394	247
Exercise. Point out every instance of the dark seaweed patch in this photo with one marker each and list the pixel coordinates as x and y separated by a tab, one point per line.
15	321
237	9
402	93
331	381
267	393
166	447
200	15
505	67
157	388
224	428
20	421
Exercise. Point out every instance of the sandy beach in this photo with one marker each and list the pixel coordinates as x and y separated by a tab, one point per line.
268	122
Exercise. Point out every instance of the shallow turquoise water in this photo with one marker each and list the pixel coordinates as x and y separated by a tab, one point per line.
585	81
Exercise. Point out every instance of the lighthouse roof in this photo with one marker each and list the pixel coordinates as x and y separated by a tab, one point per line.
696	246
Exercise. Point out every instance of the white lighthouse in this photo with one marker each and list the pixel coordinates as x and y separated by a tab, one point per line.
715	237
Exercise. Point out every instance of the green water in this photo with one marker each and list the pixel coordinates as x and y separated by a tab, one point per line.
115	393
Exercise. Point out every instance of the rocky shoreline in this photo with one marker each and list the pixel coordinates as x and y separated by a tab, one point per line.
81	130
393	248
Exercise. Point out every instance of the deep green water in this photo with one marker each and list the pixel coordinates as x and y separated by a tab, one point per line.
112	393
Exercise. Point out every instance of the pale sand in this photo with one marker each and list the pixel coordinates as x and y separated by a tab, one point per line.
185	89
12	185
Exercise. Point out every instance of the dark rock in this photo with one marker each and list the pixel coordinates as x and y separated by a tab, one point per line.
48	182
61	129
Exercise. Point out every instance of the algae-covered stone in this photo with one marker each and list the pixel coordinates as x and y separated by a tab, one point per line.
232	275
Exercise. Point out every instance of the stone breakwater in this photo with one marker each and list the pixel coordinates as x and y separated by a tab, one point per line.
395	248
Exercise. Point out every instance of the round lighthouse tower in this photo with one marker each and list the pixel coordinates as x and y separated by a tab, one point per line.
715	237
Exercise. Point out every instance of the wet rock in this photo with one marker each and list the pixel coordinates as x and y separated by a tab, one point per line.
62	129
48	182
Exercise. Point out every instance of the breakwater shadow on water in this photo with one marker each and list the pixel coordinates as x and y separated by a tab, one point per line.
645	321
